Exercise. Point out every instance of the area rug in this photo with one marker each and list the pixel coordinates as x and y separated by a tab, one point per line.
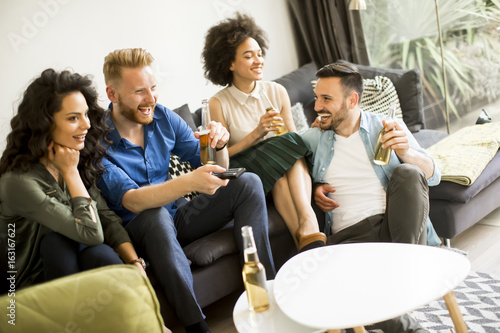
478	297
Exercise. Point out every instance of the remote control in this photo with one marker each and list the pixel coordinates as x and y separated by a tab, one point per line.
230	173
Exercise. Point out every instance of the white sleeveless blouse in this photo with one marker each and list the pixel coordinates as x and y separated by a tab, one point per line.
242	111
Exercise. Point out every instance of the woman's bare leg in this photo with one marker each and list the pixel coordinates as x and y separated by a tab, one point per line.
285	206
300	187
294	190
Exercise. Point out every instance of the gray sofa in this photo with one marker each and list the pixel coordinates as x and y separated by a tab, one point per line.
454	208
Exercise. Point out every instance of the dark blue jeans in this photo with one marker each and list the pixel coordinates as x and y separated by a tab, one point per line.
62	256
159	238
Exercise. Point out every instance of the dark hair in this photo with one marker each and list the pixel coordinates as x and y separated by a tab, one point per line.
350	77
221	42
32	125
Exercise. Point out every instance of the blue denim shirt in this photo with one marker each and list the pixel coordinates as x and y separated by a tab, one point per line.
128	166
322	145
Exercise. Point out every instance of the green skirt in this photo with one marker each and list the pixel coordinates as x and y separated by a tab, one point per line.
271	158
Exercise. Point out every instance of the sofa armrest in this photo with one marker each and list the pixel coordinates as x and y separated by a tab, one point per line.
427	137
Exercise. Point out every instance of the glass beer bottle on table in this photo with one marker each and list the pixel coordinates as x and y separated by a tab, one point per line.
254	273
207	153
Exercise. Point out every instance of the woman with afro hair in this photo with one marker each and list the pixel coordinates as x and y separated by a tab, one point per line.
234	58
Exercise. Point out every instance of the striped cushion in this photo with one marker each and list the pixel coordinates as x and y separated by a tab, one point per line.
379	93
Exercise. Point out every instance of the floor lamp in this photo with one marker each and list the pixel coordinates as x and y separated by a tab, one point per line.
445	81
357	5
361	5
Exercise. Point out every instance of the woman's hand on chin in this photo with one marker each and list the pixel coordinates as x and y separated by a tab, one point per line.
62	157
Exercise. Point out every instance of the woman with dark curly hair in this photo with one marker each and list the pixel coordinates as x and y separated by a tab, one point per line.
48	175
234	57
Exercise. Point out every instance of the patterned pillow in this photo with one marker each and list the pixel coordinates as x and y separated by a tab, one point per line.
379	93
178	168
299	118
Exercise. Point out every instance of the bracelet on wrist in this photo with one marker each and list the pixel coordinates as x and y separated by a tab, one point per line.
140	261
219	149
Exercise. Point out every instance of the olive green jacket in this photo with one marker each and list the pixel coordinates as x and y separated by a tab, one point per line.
33	204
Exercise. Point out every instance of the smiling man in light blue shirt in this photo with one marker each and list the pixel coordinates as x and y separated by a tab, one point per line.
364	201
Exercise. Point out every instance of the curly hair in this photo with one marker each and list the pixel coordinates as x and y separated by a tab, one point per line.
221	42
32	125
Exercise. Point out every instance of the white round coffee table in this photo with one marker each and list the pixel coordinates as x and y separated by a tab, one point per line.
353	285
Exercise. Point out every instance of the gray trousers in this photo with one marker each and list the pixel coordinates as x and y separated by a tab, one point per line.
159	238
405	218
404	221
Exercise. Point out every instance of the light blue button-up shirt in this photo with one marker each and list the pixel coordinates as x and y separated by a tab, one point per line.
322	145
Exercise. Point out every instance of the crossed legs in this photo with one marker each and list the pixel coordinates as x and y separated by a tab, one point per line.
294	190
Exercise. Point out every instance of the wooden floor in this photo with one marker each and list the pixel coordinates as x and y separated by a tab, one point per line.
481	242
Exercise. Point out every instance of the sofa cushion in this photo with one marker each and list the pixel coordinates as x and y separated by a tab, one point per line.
108	299
460	193
298	84
378	95
186	114
408	84
178	168
208	249
299	118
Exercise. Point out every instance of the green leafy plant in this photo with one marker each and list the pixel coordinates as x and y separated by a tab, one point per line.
403	34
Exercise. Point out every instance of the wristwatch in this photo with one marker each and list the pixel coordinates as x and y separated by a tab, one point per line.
139	260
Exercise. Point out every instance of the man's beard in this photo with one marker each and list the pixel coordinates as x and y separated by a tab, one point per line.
134	114
336	118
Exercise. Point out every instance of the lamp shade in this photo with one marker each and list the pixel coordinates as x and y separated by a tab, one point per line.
357	5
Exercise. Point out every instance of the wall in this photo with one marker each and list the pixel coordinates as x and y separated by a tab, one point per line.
78	34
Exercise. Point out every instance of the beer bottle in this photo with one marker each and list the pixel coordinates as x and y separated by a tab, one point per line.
383	155
254	273
207	153
269	107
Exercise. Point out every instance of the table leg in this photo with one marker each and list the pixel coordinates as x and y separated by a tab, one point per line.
359	329
455	314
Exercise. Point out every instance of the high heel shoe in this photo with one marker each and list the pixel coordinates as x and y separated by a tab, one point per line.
311	241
